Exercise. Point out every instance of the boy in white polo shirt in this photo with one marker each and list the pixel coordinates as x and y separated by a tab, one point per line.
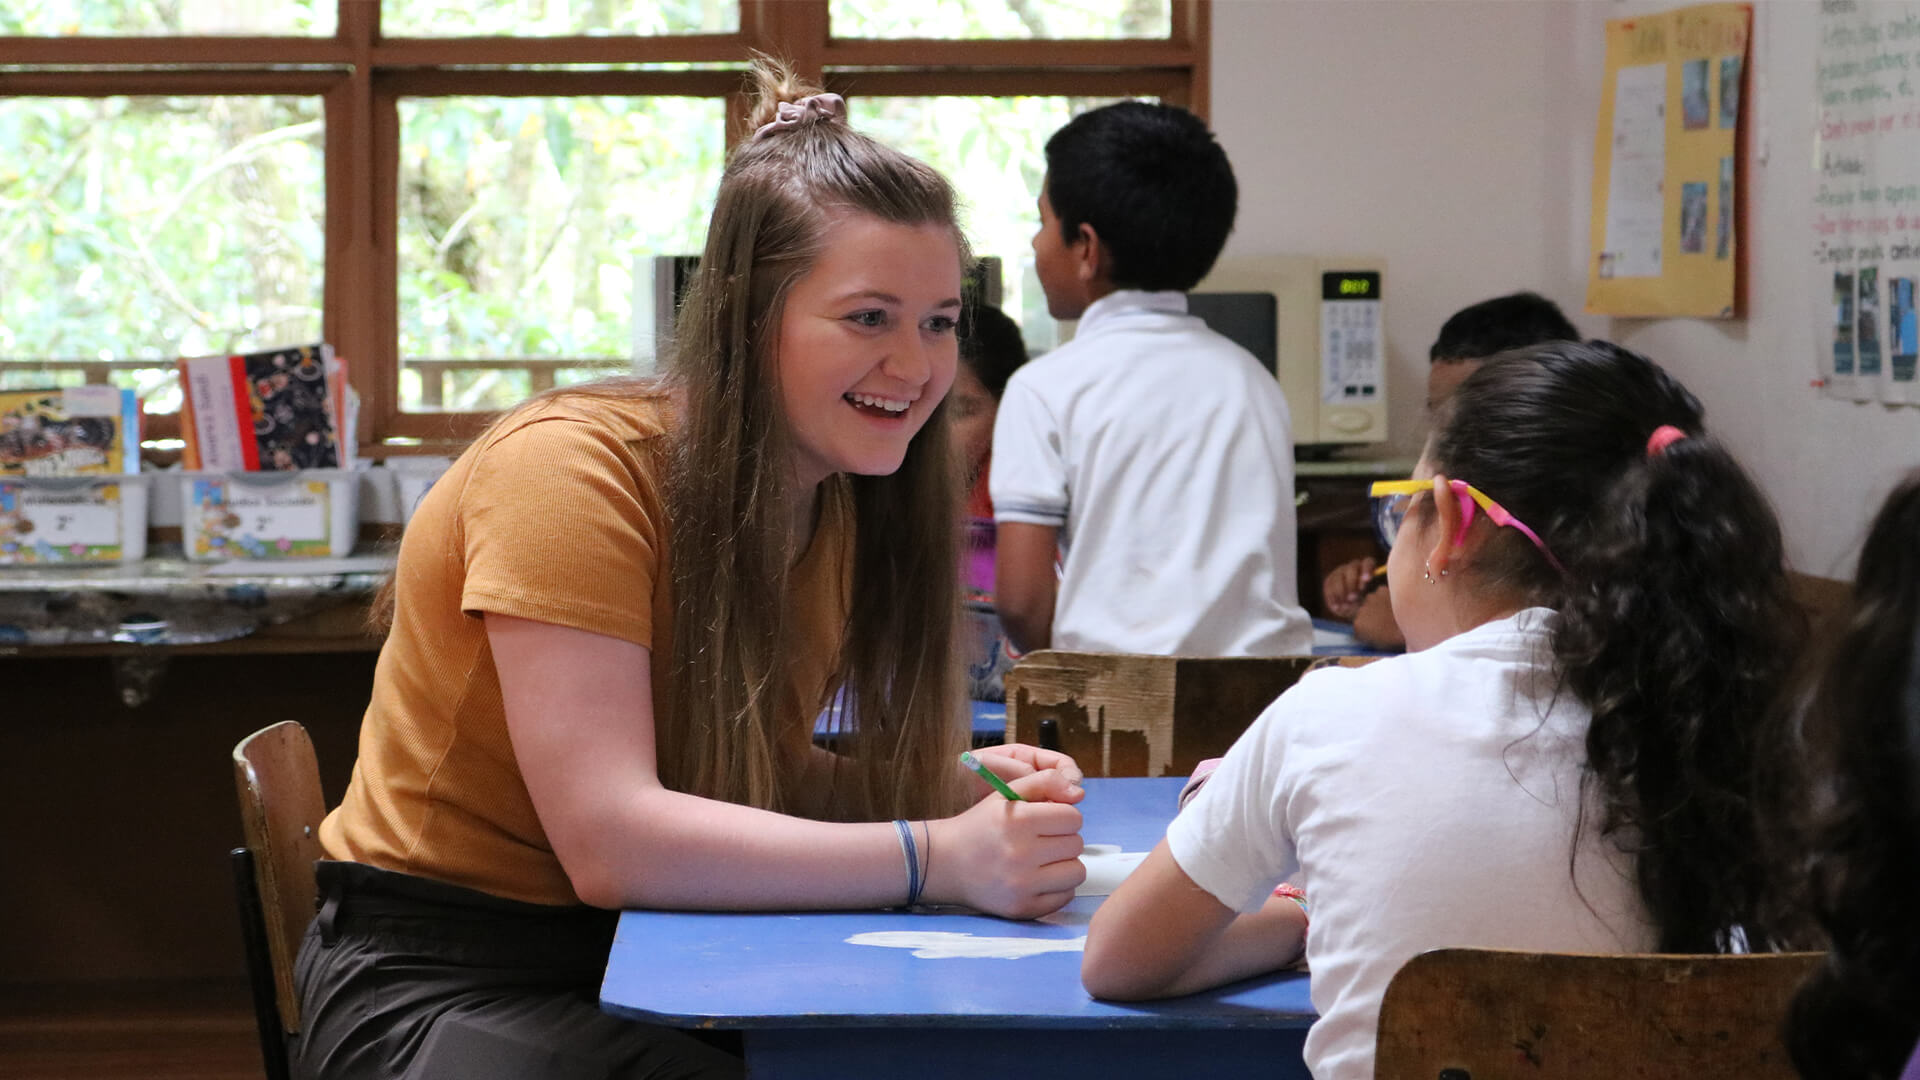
1153	453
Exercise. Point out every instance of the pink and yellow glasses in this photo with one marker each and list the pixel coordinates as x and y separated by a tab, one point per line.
1391	499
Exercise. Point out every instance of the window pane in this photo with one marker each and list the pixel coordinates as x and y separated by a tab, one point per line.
1001	19
157	18
993	151
557	18
154	228
527	231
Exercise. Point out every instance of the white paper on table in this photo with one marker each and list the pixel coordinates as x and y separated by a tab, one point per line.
1107	866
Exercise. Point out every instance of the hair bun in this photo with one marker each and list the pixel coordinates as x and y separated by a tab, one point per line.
775	89
814	108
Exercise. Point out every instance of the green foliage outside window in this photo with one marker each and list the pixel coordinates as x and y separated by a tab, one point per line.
158	227
156	18
153	227
1001	18
554	18
526	226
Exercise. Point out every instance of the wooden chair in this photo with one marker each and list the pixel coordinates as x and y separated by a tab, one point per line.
1823	599
280	810
1120	714
1494	1014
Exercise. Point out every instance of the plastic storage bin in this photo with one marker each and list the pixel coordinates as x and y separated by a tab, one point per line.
303	513
73	519
412	476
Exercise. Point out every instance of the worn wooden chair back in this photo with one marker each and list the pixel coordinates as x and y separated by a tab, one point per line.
281	805
1494	1014
1121	714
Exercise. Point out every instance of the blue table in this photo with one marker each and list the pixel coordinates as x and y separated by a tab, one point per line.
810	1003
1334	638
989	723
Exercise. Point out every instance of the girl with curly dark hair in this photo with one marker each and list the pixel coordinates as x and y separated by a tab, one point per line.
1569	757
1859	1014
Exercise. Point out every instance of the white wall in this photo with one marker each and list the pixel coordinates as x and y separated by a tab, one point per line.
1455	139
1416	131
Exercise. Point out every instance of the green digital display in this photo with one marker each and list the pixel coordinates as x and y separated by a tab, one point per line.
1350	285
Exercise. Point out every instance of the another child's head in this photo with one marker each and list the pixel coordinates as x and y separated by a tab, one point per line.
1666	568
1137	196
814	352
991	350
1479	331
1859	1014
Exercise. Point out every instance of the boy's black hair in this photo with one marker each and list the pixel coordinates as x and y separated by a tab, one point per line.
1155	186
1504	322
990	346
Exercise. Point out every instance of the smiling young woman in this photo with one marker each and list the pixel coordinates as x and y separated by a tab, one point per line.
867	346
617	616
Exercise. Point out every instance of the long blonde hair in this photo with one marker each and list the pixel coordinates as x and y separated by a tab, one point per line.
730	500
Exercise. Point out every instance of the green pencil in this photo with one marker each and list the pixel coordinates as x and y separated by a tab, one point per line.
999	785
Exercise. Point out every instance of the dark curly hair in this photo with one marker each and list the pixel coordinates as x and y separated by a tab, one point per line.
1859	1014
1675	625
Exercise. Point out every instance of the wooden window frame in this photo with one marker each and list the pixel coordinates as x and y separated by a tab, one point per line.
360	77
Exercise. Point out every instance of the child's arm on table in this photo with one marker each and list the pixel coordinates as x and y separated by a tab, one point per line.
1373	624
1161	935
579	710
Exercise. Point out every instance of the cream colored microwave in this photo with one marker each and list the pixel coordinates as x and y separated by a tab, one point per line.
1315	322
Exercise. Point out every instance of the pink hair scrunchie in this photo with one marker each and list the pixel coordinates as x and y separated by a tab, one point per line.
790	113
1663	436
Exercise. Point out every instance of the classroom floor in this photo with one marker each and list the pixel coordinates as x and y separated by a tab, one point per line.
199	1030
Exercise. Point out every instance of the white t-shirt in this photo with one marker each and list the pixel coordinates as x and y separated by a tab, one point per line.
1422	802
1162	452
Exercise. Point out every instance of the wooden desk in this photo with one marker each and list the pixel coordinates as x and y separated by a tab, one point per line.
810	1003
170	603
129	685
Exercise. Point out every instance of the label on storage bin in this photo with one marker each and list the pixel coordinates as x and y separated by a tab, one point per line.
50	525
241	521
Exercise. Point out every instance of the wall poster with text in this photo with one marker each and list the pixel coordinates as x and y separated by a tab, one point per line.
1665	231
1866	202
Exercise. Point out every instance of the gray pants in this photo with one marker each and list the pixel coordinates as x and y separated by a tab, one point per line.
404	977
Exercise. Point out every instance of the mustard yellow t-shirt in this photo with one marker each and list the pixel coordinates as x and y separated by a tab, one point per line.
557	515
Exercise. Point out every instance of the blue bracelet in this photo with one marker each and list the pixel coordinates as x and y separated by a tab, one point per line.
911	853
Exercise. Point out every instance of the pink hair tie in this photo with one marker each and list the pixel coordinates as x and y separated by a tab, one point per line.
1663	436
790	113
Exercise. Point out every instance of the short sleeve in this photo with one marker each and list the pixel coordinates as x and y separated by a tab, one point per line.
560	522
1233	839
1028	478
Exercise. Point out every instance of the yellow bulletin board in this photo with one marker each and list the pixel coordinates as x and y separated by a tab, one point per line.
1665	232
